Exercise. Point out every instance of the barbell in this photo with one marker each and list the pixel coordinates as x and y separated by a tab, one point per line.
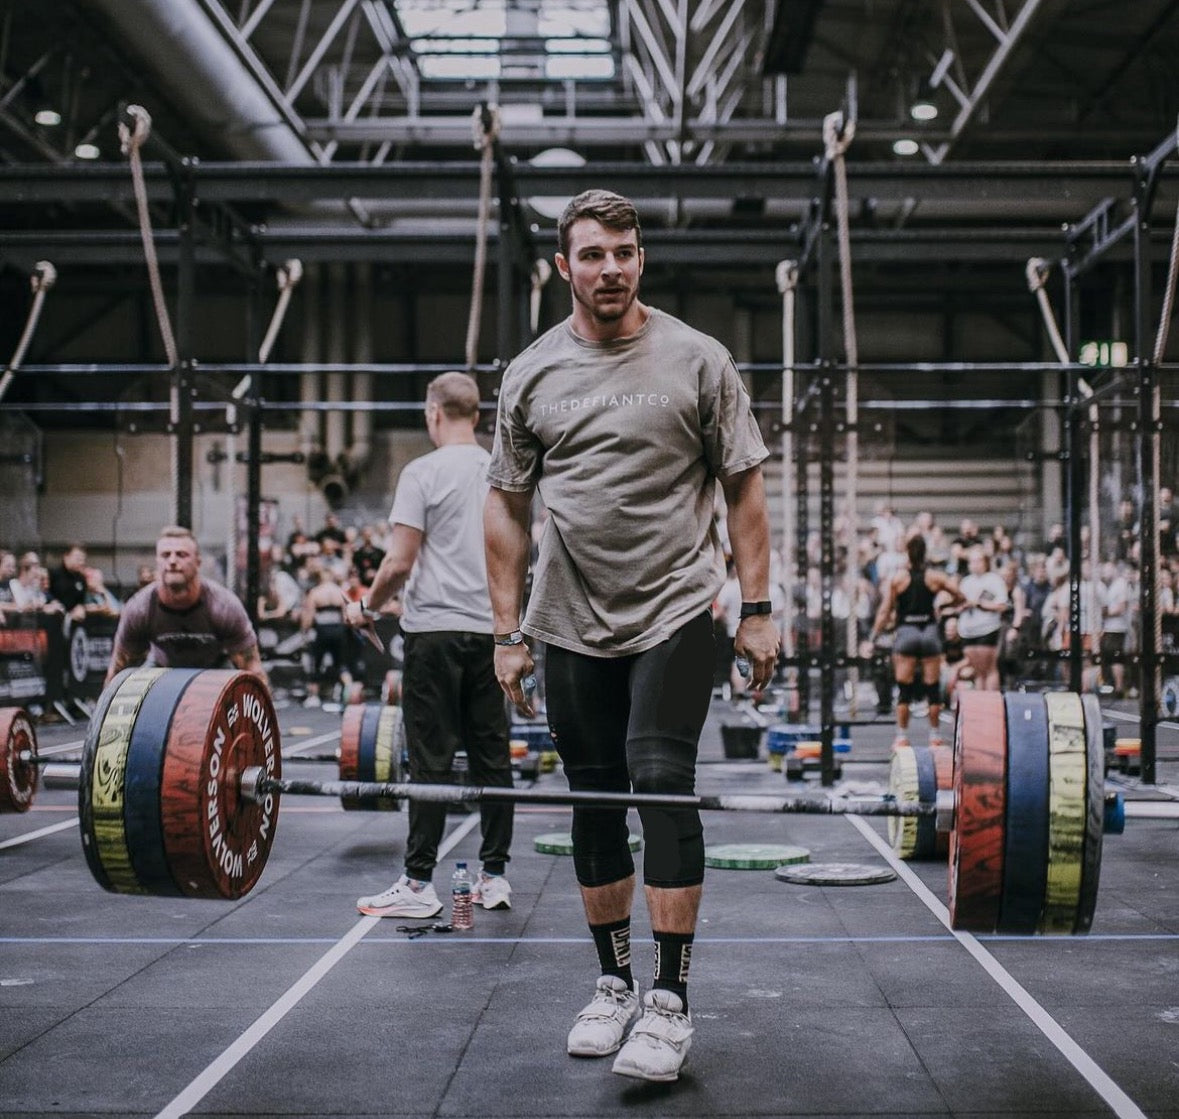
180	782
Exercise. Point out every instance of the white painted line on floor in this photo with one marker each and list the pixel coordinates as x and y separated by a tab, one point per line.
28	837
1121	1104
318	740
206	1081
61	748
1130	717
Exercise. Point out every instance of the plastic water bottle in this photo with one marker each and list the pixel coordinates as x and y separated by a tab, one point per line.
462	914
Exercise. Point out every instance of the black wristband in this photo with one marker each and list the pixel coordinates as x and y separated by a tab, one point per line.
749	609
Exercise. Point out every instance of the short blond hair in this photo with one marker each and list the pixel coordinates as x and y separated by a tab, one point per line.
178	532
456	394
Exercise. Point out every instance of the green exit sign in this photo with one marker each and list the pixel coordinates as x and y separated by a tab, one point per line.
1105	353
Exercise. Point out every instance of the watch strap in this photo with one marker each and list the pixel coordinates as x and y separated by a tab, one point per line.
516	637
750	609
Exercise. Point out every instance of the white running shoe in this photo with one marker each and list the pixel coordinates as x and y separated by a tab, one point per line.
659	1041
401	900
600	1026
492	892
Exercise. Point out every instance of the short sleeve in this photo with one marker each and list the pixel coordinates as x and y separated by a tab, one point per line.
409	500
732	439
240	635
515	451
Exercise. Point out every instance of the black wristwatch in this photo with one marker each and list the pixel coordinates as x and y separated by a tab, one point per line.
749	609
516	637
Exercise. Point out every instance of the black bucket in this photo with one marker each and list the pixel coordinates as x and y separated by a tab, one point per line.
741	741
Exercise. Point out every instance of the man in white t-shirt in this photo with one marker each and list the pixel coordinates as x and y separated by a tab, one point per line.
451	699
1117	606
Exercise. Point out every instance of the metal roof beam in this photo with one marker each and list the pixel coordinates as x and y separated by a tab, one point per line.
1075	186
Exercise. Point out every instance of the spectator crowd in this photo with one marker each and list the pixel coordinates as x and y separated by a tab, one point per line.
1029	582
308	580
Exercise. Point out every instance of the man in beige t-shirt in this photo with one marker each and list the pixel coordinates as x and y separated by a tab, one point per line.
625	420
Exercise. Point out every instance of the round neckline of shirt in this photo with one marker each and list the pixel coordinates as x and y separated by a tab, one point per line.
611	343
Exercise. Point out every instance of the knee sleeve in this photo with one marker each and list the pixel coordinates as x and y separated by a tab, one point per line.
673	838
601	837
910	692
601	846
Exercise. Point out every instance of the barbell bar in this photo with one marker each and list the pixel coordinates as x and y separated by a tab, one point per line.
256	784
180	783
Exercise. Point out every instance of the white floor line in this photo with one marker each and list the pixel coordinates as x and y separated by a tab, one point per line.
293	750
60	748
28	837
1130	717
1121	1104
206	1081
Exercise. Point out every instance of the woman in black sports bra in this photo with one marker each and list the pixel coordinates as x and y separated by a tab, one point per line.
910	593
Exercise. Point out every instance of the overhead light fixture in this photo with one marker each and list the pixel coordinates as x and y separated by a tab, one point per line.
47	118
905	147
923	109
552	206
87	151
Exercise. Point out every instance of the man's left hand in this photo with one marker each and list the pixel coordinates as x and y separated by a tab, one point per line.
757	641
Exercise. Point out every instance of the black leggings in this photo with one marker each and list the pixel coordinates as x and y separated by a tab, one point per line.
634	722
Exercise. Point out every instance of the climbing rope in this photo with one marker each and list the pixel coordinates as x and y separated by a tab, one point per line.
485	126
1038	271
837	137
287	276
43	277
786	277
131	139
542	270
1160	348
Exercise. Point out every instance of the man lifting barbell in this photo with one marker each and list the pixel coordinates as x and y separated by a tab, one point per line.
182	620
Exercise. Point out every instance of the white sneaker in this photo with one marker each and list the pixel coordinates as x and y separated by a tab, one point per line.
401	900
492	892
659	1041
600	1026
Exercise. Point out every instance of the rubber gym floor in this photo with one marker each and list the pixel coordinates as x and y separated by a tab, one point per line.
807	1001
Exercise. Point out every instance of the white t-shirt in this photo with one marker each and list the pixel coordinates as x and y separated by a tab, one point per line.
1117	593
988	587
441	494
625	441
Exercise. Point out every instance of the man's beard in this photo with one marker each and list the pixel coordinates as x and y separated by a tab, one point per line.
607	316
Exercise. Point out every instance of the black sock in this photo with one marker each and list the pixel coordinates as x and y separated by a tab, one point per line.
612	941
673	957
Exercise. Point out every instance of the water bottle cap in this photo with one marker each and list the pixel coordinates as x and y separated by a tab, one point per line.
461	865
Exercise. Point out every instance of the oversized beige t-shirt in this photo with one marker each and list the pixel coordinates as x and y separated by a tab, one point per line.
625	441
